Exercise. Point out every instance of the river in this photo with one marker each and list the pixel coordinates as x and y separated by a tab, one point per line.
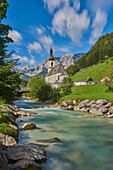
86	142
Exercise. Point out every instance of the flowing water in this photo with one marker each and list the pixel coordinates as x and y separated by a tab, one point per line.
86	142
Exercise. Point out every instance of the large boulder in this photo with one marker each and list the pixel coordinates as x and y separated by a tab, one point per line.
3	159
7	140
31	152
85	109
103	102
83	104
26	165
28	126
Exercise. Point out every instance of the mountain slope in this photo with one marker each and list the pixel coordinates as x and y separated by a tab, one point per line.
103	47
65	60
96	72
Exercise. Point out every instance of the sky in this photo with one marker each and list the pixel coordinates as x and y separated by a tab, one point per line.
70	26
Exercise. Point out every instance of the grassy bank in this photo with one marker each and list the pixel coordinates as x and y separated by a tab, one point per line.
91	92
96	72
6	121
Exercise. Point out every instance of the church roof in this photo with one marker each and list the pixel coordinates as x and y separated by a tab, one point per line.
57	69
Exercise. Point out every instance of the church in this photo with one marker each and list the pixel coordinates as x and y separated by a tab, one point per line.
56	73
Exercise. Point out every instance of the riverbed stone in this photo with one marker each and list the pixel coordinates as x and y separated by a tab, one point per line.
63	104
103	102
85	109
94	111
31	152
70	107
103	110
28	126
111	110
108	105
76	108
110	116
26	165
7	140
91	103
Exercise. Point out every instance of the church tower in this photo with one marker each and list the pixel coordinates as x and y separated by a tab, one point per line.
51	60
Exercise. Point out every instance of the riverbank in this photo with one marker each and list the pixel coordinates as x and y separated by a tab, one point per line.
12	154
100	107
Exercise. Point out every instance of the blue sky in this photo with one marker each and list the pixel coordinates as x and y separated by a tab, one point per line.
71	26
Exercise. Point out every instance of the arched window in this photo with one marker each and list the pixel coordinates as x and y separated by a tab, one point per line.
51	64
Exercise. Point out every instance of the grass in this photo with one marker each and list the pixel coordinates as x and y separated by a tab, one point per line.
96	72
91	92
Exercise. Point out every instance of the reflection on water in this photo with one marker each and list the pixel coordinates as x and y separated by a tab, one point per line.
87	142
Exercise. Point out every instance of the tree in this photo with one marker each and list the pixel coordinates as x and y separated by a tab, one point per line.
66	85
109	81
9	80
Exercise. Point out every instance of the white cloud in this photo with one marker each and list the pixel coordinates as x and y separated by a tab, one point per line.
98	25
32	62
54	4
40	30
63	49
67	22
24	59
34	47
46	41
16	36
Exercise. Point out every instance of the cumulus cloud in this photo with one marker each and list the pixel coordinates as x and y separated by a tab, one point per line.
98	25
40	30
16	36
36	47
46	41
24	59
68	22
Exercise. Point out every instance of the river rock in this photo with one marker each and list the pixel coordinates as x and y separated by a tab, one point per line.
20	113
28	126
103	110
3	159
7	140
63	104
94	111
91	103
103	102
110	116
76	108
70	107
111	110
74	101
52	140
31	152
26	165
85	109
108	105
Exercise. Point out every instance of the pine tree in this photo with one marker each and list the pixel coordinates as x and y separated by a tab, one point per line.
9	79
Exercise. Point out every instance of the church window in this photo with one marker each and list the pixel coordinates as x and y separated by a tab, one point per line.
51	64
58	77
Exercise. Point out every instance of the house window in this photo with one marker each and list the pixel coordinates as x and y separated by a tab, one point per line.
58	77
51	64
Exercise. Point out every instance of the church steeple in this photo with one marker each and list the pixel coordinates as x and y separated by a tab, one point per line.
51	57
51	60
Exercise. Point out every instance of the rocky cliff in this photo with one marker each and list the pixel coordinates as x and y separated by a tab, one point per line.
66	60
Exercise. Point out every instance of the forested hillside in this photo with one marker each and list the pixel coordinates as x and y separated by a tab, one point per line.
103	47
